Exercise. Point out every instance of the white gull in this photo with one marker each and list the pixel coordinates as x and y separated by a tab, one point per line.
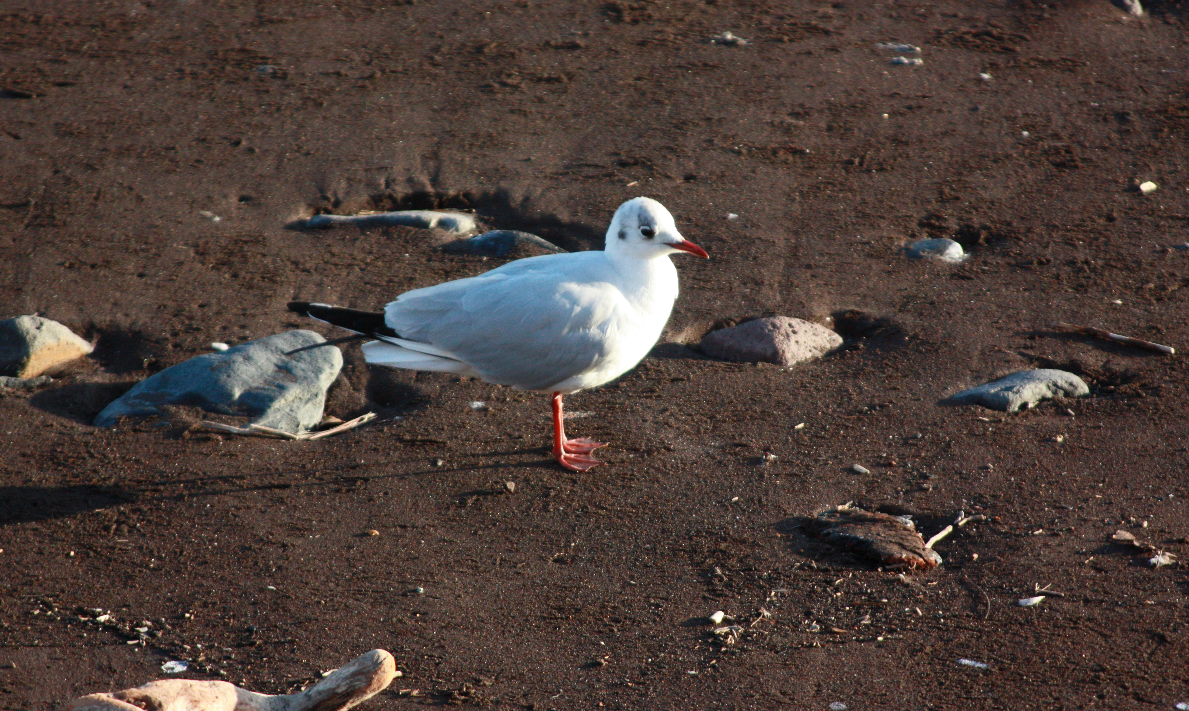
557	323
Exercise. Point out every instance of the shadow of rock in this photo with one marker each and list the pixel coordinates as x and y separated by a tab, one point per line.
80	402
25	504
120	351
495	207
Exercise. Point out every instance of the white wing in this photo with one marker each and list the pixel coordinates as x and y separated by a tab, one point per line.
530	324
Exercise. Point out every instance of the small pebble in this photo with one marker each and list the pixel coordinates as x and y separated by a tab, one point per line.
510	487
1161	559
373	533
942	249
731	217
174	667
729	39
972	663
1147	187
837	706
716	618
984	76
219	346
907	61
859	469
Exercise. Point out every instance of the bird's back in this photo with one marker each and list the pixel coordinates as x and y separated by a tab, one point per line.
554	322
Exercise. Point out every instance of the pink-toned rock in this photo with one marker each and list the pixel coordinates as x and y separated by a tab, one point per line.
776	339
363	678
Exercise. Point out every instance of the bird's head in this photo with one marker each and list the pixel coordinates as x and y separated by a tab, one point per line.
644	229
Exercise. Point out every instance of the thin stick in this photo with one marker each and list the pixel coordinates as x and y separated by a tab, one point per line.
1108	336
350	425
962	521
262	431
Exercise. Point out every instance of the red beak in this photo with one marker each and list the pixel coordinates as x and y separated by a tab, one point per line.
687	246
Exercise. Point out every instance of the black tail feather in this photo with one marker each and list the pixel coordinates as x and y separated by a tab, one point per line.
365	323
331	342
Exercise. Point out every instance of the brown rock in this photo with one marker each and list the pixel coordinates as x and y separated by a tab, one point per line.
776	339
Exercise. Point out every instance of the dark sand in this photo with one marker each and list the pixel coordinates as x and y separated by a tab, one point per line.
125	127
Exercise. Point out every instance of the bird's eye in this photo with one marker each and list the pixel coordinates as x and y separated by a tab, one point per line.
648	232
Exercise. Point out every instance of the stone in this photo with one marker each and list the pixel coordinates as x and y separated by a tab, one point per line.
1024	389
11	383
31	345
942	249
503	243
454	222
775	339
344	688
257	379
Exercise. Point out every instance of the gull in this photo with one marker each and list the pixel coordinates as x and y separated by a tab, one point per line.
555	323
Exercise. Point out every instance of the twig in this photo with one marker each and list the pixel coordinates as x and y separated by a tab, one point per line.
262	431
962	521
350	425
1108	336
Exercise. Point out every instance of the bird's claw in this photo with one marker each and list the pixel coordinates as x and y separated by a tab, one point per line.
582	445
576	462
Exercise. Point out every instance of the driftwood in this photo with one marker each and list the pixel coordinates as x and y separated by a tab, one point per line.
356	682
1108	336
262	431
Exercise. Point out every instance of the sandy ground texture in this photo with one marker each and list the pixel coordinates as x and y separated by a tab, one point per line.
154	152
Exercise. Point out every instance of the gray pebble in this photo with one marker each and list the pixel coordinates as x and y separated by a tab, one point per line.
1025	388
501	243
939	248
285	392
12	383
776	339
454	222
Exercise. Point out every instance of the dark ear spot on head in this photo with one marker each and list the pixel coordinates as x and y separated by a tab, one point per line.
623	234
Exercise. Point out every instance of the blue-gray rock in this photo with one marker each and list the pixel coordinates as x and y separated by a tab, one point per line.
257	379
501	243
31	345
455	222
942	249
1024	389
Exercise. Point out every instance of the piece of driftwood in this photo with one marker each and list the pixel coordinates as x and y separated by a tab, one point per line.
262	431
963	519
1108	336
344	688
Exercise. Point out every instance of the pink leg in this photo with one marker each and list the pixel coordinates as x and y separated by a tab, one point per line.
573	454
